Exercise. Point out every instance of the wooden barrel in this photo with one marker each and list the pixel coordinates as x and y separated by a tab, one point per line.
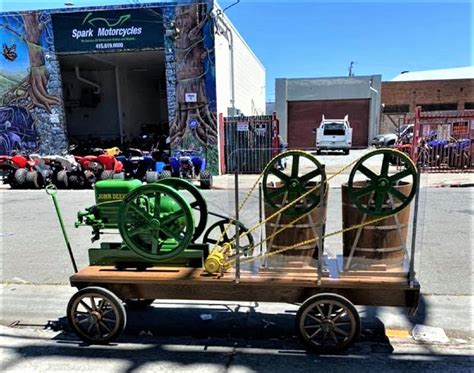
380	244
306	228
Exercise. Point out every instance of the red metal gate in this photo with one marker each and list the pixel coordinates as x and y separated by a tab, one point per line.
442	142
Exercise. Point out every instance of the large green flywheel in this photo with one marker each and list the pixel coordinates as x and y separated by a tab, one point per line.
281	186
196	201
156	222
384	191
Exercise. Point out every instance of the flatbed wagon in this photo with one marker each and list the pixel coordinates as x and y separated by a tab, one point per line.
150	266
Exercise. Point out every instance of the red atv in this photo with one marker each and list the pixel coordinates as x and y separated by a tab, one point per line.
26	171
100	167
13	170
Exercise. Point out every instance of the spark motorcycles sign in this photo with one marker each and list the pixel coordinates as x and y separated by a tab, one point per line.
108	30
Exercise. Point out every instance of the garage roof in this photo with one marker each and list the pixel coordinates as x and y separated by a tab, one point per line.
442	74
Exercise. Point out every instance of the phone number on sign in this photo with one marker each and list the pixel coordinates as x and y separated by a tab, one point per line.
108	45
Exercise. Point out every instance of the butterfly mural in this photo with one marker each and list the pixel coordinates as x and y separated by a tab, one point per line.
9	53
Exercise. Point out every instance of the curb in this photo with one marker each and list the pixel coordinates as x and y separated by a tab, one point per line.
455	185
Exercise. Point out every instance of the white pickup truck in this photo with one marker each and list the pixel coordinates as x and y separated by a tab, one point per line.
334	134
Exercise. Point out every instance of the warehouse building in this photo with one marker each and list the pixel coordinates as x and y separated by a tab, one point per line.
112	73
436	91
301	103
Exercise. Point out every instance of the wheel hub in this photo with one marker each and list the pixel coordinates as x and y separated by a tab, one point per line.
294	185
95	317
327	326
383	184
155	223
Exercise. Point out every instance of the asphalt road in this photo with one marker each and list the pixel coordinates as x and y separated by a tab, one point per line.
33	249
240	337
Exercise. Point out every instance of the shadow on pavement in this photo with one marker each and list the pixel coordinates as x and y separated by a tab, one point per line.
236	336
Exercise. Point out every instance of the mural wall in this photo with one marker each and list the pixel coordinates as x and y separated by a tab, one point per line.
32	115
191	74
31	112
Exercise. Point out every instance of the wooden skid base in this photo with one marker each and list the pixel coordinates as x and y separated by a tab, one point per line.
373	269
267	286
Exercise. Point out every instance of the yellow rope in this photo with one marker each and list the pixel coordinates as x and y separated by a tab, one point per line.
312	240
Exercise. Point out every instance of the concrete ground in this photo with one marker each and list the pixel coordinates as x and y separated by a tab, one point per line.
232	337
206	336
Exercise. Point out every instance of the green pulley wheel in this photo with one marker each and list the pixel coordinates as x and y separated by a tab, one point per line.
224	231
197	202
383	188
156	222
305	174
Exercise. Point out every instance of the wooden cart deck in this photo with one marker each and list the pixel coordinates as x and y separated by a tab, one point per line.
266	286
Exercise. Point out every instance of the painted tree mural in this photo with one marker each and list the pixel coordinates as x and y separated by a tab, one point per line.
190	57
32	91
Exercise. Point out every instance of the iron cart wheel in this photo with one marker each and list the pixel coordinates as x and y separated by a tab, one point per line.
216	230
96	315
382	185
156	222
197	202
138	304
327	322
292	186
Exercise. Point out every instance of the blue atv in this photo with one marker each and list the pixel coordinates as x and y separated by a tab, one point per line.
191	165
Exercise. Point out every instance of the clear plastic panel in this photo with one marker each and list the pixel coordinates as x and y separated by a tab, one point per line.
314	216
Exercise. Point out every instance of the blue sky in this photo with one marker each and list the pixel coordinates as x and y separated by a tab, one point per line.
320	38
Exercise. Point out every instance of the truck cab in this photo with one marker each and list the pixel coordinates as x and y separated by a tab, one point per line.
334	134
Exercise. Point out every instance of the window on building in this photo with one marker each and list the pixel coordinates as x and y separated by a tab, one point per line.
439	107
469	105
396	109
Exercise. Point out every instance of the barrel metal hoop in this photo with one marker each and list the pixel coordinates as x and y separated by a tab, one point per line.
384	227
294	225
381	250
384	206
299	248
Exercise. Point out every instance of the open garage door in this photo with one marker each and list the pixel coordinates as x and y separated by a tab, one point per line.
113	73
114	98
304	116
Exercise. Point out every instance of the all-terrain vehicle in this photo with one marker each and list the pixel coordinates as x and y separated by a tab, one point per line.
9	165
186	164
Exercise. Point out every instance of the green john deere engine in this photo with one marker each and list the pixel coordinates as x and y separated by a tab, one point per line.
155	221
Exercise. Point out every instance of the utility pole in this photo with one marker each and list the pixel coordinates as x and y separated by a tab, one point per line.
350	68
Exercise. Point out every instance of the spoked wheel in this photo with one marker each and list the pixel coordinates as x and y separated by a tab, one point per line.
196	200
375	197
327	322
96	315
156	222
305	175
215	234
138	304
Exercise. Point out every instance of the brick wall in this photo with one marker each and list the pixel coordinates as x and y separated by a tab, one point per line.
423	92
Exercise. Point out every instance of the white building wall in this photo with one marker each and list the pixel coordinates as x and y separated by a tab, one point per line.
248	74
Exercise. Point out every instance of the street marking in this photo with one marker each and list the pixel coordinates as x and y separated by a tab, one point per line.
396	333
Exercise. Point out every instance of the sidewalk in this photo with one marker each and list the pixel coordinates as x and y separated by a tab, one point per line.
234	337
428	180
